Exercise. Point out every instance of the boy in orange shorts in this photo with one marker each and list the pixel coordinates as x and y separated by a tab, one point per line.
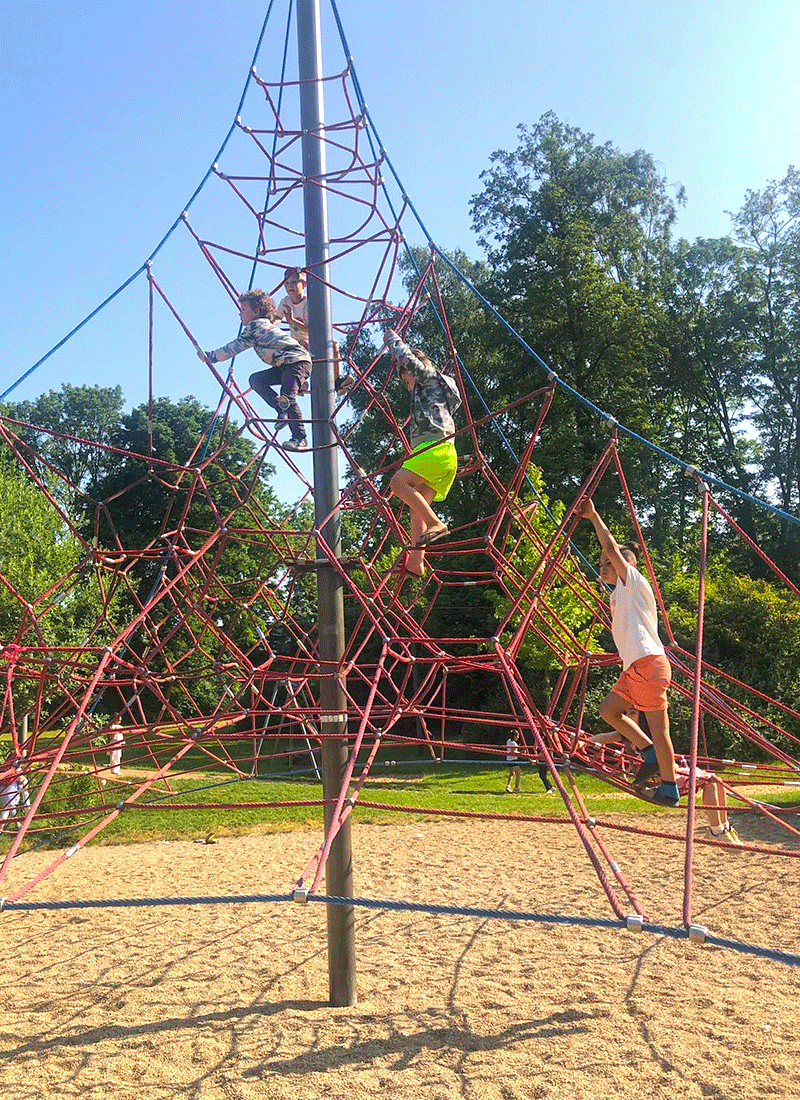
646	672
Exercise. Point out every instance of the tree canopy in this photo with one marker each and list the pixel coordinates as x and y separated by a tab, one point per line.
694	346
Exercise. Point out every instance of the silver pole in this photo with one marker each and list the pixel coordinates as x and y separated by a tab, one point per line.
339	869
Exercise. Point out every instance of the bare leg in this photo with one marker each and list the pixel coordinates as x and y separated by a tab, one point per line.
614	710
715	804
418	495
658	721
514	774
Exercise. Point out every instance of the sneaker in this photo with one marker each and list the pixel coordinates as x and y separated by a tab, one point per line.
296	444
666	794
343	382
729	835
648	767
551	791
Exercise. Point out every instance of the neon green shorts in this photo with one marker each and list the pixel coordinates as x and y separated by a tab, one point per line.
436	464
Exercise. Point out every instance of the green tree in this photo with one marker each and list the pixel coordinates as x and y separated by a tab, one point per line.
48	595
768	228
752	633
560	614
72	429
184	480
37	549
712	349
578	235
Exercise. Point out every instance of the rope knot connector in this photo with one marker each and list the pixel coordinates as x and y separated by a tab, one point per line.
697	933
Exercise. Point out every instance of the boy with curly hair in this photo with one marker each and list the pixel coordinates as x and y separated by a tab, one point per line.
288	361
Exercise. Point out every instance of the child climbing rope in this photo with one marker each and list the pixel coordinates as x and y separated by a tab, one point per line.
293	308
289	362
428	472
714	799
646	672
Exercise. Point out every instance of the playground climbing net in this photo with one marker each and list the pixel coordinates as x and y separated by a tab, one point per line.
197	660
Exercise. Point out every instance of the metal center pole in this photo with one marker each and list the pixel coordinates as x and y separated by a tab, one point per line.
339	868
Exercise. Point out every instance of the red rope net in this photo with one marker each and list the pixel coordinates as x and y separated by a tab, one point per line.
188	665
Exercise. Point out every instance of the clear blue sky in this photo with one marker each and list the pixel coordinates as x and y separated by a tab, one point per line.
114	111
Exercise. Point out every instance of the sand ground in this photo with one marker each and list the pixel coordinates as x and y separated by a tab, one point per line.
229	1002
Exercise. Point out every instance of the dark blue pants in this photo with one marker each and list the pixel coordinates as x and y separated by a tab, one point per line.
291	377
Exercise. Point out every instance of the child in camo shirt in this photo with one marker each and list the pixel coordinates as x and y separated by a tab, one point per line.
428	472
289	362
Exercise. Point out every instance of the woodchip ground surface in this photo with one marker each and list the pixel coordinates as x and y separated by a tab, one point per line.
229	1002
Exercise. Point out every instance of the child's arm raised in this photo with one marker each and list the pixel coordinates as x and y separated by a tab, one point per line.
607	541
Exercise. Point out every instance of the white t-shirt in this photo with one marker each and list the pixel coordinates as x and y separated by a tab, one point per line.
512	749
634	619
295	311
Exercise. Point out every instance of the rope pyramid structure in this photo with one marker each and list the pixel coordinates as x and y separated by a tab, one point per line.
196	651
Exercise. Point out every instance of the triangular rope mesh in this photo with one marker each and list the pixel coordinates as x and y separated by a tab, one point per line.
189	668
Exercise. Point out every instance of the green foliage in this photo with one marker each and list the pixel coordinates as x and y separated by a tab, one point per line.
76	794
181	478
561	616
751	632
38	552
72	429
176	480
578	236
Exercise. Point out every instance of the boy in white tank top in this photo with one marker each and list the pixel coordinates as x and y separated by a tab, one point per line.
646	672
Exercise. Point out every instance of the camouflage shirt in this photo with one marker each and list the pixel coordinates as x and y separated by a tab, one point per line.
434	398
270	343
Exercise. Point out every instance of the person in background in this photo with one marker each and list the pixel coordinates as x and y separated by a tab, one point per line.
116	739
514	762
293	307
14	794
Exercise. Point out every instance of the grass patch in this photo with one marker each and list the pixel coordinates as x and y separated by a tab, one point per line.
477	788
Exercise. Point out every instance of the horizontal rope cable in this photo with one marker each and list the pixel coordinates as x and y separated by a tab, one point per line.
786	957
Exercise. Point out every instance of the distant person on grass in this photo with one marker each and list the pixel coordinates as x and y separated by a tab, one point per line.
514	762
429	471
646	672
14	793
514	759
116	740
